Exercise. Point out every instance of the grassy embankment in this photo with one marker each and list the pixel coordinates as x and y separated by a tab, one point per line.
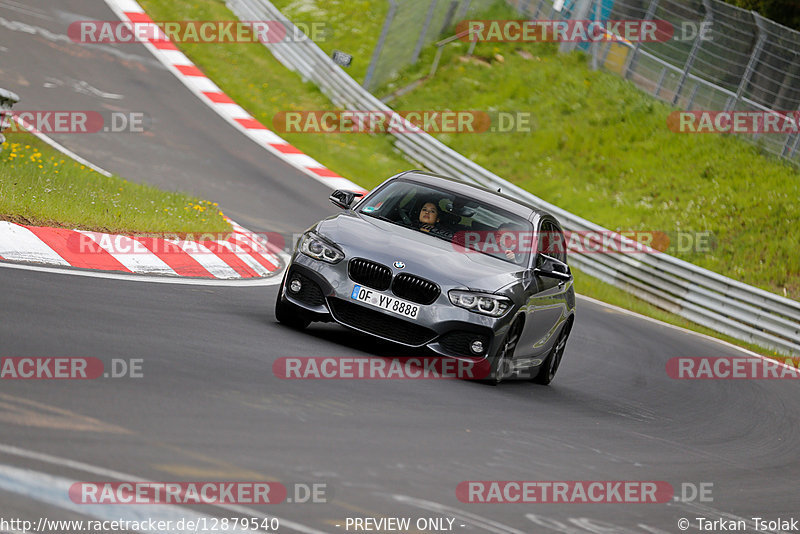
598	146
40	186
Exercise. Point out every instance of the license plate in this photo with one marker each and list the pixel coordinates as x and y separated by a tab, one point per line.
385	302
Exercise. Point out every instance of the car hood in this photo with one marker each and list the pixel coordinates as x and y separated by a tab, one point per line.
423	255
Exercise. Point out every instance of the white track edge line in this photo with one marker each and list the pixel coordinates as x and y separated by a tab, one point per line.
275	279
61	148
81	466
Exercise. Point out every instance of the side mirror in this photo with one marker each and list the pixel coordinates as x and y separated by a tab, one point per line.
552	268
344	199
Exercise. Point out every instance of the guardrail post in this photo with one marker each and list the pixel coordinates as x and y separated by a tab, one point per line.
648	16
707	21
376	54
7	100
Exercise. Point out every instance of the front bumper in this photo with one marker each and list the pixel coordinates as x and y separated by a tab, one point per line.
442	327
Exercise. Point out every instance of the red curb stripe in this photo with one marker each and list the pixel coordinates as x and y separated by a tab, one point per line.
77	249
174	256
138	17
231	259
324	172
251	124
285	148
271	247
265	263
251	247
218	98
190	70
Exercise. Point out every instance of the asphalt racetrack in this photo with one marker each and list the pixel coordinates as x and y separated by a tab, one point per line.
207	406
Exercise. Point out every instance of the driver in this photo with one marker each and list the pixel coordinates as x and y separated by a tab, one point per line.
429	220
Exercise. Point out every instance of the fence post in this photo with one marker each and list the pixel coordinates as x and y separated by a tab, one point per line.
579	11
787	151
748	71
376	54
596	44
648	16
464	8
707	21
448	18
423	33
535	16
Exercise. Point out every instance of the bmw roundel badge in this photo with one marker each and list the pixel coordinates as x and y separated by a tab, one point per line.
399	265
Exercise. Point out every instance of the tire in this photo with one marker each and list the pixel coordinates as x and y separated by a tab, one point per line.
502	365
550	366
287	313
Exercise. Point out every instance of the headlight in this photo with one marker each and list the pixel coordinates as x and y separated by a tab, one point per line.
313	245
482	303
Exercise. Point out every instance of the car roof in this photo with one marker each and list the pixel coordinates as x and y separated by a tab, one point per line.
500	200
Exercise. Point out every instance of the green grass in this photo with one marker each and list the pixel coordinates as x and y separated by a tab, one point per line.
352	26
596	289
599	147
39	186
258	82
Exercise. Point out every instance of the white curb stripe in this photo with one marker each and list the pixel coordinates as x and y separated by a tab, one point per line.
244	256
135	256
207	259
20	244
199	84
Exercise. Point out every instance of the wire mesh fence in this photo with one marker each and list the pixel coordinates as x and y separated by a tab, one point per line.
409	26
719	58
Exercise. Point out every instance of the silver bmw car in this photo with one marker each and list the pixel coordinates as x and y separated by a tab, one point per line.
429	261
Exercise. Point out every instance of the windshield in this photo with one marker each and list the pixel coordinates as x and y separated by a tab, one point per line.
472	225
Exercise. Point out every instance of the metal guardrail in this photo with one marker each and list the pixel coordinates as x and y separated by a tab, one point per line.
7	100
699	295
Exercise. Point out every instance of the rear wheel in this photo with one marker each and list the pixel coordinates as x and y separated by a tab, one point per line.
289	314
503	365
550	366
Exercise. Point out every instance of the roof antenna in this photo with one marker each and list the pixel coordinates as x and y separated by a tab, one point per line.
498	190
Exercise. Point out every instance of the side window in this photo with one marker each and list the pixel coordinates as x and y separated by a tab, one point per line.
559	244
551	241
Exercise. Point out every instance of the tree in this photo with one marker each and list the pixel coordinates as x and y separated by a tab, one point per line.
786	12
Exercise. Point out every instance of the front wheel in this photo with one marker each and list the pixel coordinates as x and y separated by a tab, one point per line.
503	366
551	364
287	313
